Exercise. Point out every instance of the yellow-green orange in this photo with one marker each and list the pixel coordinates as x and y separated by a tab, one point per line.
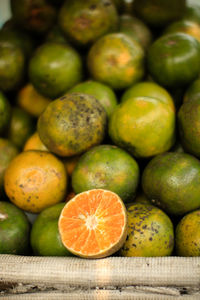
45	237
188	235
150	232
107	167
35	180
189	126
186	26
144	126
148	89
116	60
72	124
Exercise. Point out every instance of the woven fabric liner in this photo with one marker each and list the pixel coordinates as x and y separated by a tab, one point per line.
109	278
99	295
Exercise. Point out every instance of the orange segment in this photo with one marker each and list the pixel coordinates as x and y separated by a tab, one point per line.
93	224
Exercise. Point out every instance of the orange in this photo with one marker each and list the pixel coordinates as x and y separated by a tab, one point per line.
70	163
31	101
45	239
35	180
116	60
144	126
72	124
188	235
148	89
20	128
93	224
14	230
34	143
185	26
150	232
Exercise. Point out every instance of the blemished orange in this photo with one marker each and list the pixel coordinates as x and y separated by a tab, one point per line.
35	180
93	224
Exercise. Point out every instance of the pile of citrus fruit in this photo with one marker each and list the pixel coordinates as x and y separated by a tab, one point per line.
100	128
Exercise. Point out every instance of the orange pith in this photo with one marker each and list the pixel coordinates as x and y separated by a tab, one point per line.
93	224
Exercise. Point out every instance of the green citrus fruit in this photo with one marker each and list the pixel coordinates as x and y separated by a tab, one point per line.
170	59
7	152
14	230
144	126
136	29
86	21
188	235
5	112
158	13
193	91
107	167
12	65
20	128
100	91
141	198
189	126
172	181
45	237
56	35
20	38
148	89
54	68
72	124
185	26
150	232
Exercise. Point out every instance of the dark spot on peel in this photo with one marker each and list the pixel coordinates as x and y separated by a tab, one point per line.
93	7
63	97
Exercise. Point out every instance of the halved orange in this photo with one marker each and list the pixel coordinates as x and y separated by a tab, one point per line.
93	224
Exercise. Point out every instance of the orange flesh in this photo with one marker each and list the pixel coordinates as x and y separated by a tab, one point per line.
92	222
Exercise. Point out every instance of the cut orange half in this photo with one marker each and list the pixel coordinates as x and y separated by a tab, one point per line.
93	224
